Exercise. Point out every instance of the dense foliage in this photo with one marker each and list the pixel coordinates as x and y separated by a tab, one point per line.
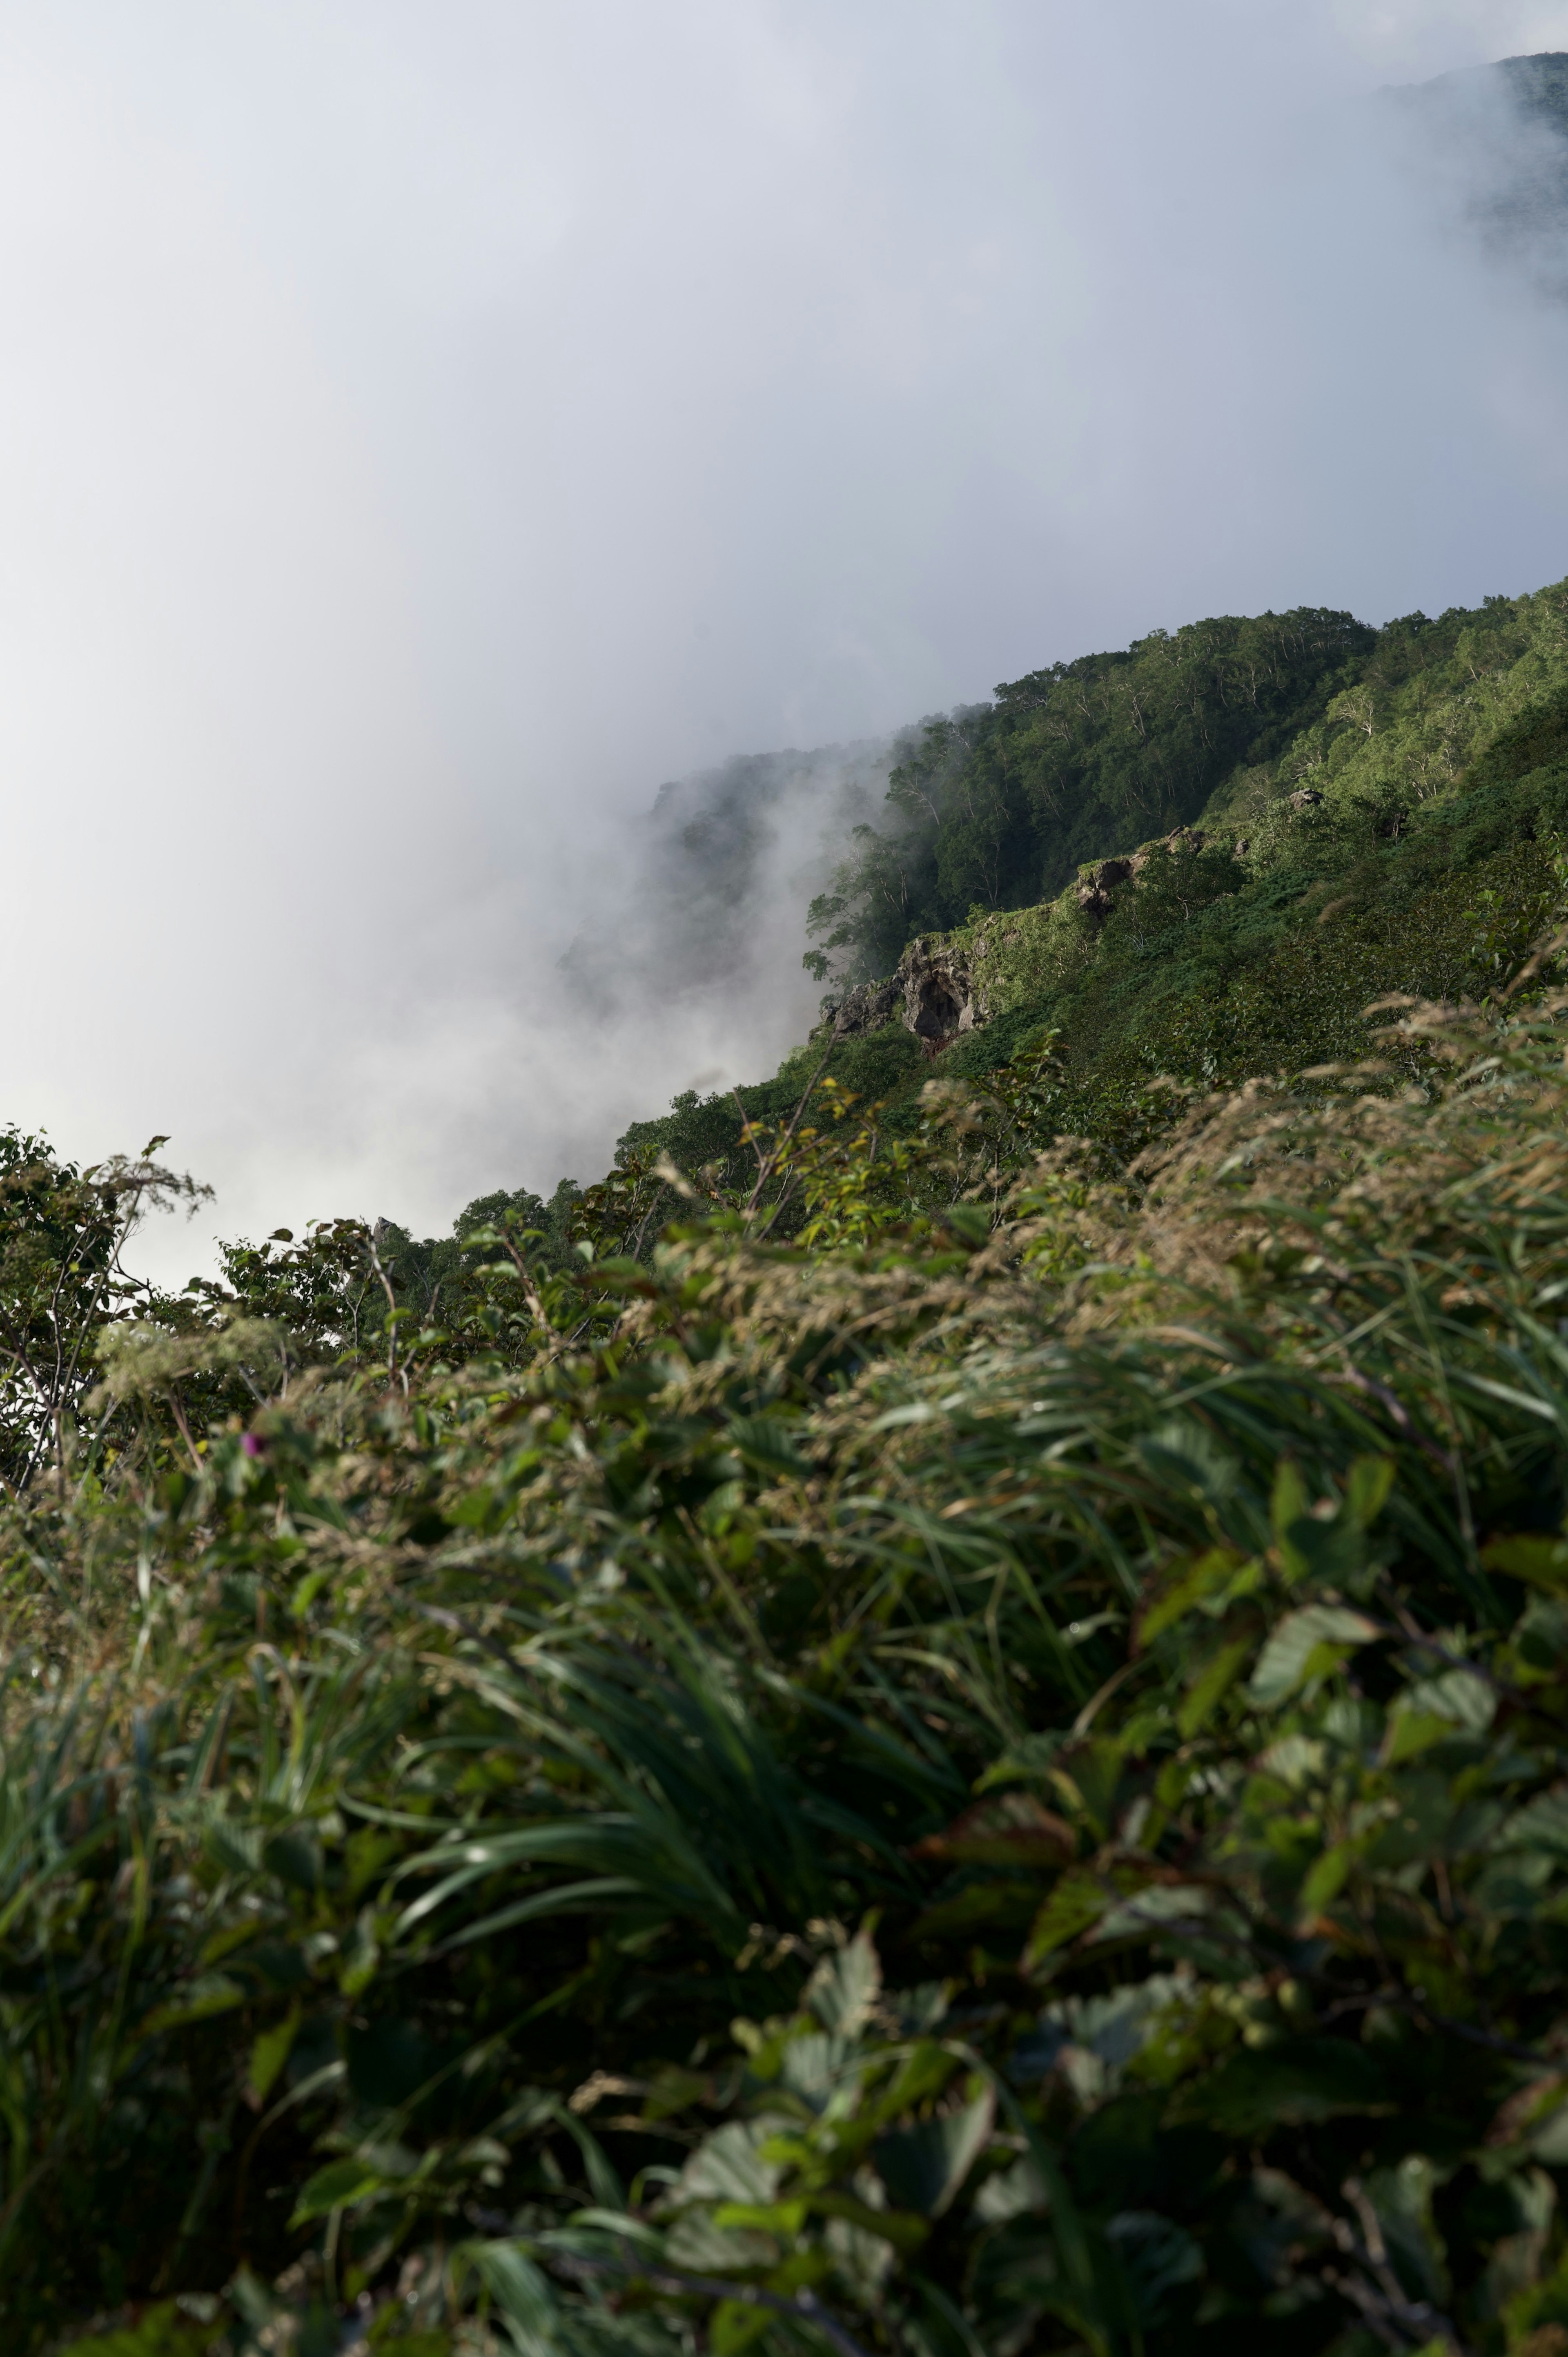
1001	801
1219	723
941	1728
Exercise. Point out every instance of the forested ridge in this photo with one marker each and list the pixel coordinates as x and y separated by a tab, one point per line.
932	1718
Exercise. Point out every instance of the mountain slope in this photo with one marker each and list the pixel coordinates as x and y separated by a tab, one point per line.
1403	837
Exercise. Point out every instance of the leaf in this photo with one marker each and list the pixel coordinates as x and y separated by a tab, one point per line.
979	1906
1211	1685
334	2187
1093	1770
843	1990
1366	1491
1288	1499
1328	1553
735	2324
159	2332
1434	1709
729	2166
208	1994
1306	1645
1542	1562
1186	1454
1014	1829
1325	1877
1077	1902
923	2167
521	2290
270	2052
1542	1824
1152	1909
1288	2085
1213	1580
765	1443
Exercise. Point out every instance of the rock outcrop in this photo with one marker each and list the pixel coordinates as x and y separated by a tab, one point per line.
866	1007
1097	882
931	990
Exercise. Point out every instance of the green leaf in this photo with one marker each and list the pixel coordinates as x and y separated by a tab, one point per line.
923	2167
1366	1491
271	2051
766	1444
729	2166
1288	2085
843	1990
1433	1710
334	2187
735	2324
1542	1824
1306	1645
1542	1562
1325	1877
1211	1684
208	1994
1077	1902
1288	1499
159	2332
1215	1578
521	2290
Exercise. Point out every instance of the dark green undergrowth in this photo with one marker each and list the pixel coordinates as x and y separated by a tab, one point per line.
933	1719
983	1780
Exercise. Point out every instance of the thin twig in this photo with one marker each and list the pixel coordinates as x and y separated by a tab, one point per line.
771	1163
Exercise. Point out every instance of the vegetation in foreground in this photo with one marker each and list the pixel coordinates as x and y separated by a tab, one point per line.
954	1741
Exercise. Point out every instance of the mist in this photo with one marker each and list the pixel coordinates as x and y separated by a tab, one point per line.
424	434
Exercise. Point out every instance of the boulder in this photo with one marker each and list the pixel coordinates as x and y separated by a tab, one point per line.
931	990
866	1007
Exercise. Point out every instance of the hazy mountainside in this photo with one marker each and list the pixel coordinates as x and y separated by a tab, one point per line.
997	804
726	861
1493	142
1401	834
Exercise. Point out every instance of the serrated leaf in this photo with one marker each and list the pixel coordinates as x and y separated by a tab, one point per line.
1216	1578
1306	1645
1077	1902
1013	1829
1542	1824
1290	2085
843	1990
1434	1709
729	2166
923	2167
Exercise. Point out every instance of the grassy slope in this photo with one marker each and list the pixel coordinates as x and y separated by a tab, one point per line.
970	1788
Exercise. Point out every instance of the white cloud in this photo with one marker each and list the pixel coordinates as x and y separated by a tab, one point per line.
424	430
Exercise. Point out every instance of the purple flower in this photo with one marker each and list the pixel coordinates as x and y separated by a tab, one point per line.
251	1444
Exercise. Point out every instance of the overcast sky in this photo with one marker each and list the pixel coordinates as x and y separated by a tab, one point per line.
423	429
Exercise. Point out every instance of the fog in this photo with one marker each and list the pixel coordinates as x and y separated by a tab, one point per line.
425	433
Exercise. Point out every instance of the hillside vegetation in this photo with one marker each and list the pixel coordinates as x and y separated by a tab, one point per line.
935	1724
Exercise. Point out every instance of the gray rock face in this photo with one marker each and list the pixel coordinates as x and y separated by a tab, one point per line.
866	1007
1097	882
931	991
938	999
